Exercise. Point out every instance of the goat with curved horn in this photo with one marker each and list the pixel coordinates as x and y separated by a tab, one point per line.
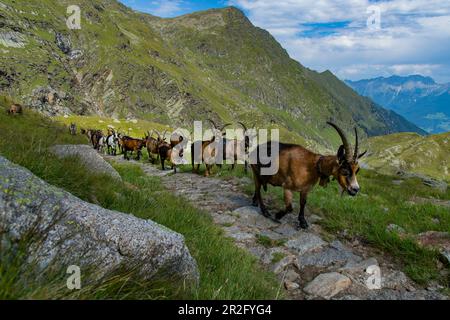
300	169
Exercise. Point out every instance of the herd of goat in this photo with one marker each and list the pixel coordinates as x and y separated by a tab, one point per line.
158	148
298	169
114	142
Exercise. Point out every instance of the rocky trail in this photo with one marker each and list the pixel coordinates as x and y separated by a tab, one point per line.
307	265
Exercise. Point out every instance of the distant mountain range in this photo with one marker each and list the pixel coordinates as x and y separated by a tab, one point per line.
419	99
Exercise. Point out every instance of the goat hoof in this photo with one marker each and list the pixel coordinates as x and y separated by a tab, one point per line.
266	213
276	220
280	215
302	225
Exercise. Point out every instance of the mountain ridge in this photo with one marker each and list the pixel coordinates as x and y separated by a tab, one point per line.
124	63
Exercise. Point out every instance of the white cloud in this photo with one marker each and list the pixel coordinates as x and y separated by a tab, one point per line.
414	35
161	8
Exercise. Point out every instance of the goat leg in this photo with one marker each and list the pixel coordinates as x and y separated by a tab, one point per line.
288	202
302	223
257	199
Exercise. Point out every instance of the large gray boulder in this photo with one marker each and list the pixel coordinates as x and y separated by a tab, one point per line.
88	156
68	231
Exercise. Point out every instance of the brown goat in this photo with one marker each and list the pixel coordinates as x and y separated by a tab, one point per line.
131	144
93	135
96	136
166	153
207	150
299	170
234	149
152	146
15	109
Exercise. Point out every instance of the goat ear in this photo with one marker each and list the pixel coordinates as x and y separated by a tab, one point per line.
341	154
362	154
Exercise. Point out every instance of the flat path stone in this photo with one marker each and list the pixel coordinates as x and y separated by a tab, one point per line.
327	285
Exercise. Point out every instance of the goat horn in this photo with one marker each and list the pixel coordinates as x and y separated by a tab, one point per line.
355	156
213	123
341	133
243	126
228	124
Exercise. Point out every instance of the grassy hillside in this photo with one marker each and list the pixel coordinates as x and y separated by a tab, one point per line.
411	153
212	64
227	272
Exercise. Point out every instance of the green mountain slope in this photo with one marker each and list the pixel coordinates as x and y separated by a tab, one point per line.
411	153
213	64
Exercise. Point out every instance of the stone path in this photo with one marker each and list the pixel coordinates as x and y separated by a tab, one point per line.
307	265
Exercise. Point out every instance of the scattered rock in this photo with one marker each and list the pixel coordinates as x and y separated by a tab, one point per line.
357	267
49	101
75	54
305	242
436	240
314	218
238	235
396	280
291	275
258	251
88	156
12	39
327	285
440	185
270	254
286	230
69	231
436	202
430	182
224	219
63	43
272	235
334	255
395	229
251	216
281	266
291	286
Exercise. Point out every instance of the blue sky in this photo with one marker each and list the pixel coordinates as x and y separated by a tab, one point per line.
413	36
